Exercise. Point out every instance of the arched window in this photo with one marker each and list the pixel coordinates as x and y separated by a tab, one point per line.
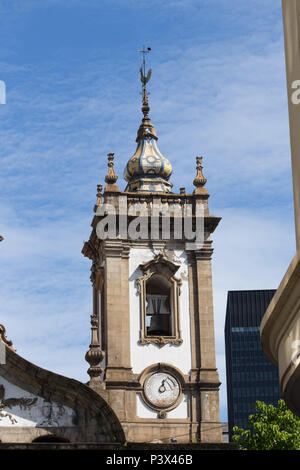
159	306
159	302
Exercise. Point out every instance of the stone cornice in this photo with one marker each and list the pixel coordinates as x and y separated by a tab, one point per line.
204	253
280	312
115	249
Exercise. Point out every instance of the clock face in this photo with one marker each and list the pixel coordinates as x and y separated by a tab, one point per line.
161	389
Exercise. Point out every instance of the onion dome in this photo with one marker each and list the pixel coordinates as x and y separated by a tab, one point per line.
147	170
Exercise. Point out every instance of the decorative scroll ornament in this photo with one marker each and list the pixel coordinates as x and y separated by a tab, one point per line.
4	338
97	269
160	340
92	250
160	263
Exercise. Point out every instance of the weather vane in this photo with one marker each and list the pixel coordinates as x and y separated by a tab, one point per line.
145	78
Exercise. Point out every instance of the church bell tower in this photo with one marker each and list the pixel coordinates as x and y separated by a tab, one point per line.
152	353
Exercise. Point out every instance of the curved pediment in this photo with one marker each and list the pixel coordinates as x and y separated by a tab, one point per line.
160	263
35	398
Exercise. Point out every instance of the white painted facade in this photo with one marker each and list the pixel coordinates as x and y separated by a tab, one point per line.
21	408
144	411
143	356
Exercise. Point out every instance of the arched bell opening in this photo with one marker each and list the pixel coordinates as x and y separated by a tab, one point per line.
159	292
159	309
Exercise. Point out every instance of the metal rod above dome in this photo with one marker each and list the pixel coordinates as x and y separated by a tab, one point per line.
147	170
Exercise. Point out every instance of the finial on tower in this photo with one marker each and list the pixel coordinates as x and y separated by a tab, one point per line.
111	177
145	79
95	355
200	179
147	170
99	190
99	197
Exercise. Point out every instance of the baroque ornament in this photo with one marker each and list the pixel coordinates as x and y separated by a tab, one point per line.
4	338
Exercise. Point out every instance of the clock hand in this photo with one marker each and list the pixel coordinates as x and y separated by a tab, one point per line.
162	388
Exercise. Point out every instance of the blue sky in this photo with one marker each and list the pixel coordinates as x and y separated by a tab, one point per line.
73	94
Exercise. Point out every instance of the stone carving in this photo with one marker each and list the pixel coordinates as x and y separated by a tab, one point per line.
45	413
52	412
23	403
92	250
160	340
4	338
2	406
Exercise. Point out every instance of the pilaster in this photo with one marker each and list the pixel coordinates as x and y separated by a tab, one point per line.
204	397
116	299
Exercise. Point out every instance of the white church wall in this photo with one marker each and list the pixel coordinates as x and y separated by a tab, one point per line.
144	355
144	411
21	408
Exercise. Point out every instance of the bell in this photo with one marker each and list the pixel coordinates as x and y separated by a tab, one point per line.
159	325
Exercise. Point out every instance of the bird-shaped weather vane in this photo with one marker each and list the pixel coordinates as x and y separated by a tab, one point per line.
145	78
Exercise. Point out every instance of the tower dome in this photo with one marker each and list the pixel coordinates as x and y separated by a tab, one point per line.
147	170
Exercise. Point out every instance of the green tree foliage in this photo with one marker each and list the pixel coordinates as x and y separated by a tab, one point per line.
272	428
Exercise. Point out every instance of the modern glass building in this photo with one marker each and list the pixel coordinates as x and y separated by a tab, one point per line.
250	376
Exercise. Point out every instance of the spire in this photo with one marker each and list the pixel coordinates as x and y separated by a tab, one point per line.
146	128
147	170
